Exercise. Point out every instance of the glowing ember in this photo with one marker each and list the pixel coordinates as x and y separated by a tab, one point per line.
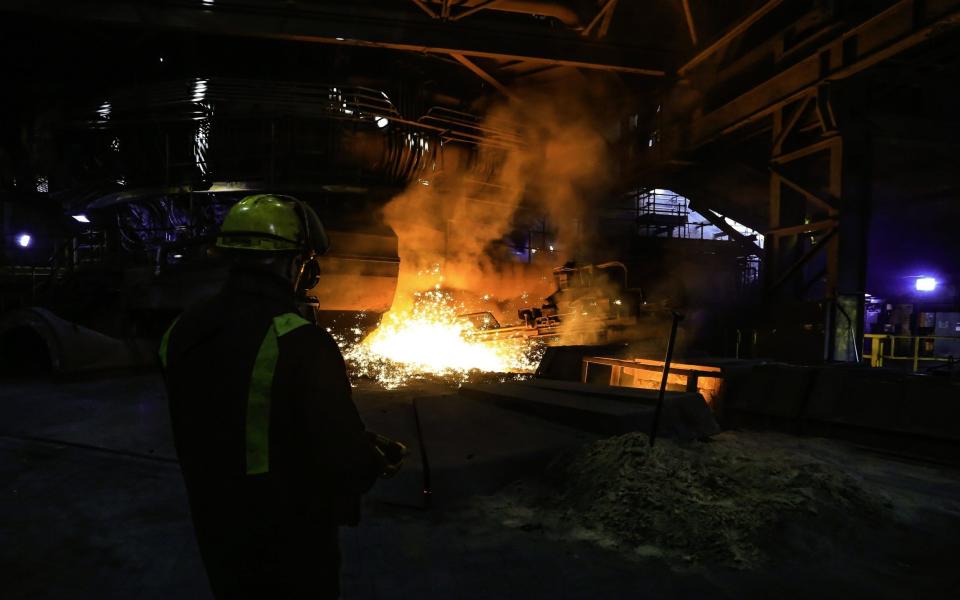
428	339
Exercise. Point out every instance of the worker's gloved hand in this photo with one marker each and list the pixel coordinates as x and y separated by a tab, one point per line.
392	451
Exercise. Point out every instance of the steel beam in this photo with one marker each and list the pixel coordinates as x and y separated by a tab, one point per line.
423	6
352	25
727	37
463	60
607	20
787	128
470	11
830	207
602	15
852	174
804	228
691	25
895	30
820	146
747	244
804	259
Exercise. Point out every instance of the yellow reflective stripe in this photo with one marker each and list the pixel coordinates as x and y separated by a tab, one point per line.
261	384
165	342
286	323
258	405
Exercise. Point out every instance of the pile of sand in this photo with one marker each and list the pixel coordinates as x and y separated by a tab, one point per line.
699	502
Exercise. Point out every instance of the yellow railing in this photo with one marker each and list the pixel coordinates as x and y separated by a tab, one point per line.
883	347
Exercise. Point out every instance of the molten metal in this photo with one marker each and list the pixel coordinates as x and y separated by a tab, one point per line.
428	339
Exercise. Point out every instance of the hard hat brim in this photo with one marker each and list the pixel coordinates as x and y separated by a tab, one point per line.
257	241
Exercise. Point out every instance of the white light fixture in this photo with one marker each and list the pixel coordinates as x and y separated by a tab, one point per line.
81	218
382	122
926	284
339	39
24	240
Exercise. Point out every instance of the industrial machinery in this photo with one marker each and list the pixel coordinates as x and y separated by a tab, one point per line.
592	304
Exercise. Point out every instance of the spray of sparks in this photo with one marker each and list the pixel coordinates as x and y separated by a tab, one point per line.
428	339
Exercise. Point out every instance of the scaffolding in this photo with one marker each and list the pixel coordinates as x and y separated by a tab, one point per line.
661	213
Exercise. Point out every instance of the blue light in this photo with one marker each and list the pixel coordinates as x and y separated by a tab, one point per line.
926	284
24	240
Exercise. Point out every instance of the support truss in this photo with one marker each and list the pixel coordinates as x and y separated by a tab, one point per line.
601	22
479	72
691	25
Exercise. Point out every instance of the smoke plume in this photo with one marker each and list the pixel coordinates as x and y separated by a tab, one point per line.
454	222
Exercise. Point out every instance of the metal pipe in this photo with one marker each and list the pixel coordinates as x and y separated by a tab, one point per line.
677	317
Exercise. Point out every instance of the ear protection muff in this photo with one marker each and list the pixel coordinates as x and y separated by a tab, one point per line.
315	244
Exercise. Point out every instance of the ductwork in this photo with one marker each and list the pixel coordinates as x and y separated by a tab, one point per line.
559	11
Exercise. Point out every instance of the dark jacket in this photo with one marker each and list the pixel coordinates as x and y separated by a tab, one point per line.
320	457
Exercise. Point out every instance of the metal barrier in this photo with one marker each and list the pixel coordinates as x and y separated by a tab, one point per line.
647	374
883	347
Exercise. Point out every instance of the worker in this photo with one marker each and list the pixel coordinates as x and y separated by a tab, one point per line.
273	451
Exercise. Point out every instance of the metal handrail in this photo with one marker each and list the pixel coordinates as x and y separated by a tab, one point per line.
878	342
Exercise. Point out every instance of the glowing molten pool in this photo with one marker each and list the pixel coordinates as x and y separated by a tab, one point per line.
427	338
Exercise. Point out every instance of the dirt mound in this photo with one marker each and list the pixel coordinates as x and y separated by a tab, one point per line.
700	502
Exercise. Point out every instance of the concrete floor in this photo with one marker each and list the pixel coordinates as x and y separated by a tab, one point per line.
92	506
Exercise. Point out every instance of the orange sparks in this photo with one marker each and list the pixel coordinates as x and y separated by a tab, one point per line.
428	338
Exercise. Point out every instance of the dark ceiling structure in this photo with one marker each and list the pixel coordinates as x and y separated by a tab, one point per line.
789	116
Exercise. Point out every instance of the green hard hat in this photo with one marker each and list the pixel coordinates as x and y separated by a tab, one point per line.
272	223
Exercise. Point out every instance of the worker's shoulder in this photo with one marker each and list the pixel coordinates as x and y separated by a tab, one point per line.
199	318
299	334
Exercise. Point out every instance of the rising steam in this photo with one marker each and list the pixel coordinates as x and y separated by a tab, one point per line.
457	216
455	224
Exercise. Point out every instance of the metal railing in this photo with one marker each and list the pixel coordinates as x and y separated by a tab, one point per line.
882	347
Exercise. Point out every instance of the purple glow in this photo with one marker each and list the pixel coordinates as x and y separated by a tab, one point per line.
926	284
24	240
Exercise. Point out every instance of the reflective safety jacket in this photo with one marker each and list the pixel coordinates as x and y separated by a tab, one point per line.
261	410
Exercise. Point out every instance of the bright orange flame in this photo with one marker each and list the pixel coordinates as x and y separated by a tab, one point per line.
428	338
